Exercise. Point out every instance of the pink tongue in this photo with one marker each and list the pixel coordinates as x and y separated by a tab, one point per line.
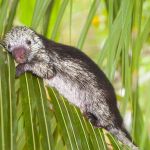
19	60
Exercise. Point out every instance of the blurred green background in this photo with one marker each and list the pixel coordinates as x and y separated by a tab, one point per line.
115	34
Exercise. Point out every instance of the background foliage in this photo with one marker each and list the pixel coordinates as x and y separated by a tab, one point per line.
115	34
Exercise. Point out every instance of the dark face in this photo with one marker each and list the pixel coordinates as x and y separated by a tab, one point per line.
23	44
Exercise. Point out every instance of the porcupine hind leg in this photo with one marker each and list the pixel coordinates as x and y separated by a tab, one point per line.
93	119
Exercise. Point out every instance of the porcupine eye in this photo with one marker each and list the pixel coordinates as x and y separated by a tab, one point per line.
9	46
28	42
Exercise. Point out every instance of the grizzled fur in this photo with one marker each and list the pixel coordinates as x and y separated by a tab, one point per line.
74	75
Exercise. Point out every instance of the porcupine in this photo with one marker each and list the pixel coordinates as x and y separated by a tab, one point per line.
73	74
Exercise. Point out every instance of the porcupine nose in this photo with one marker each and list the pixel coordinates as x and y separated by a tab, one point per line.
19	54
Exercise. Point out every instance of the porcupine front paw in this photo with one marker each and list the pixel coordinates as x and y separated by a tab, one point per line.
20	69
